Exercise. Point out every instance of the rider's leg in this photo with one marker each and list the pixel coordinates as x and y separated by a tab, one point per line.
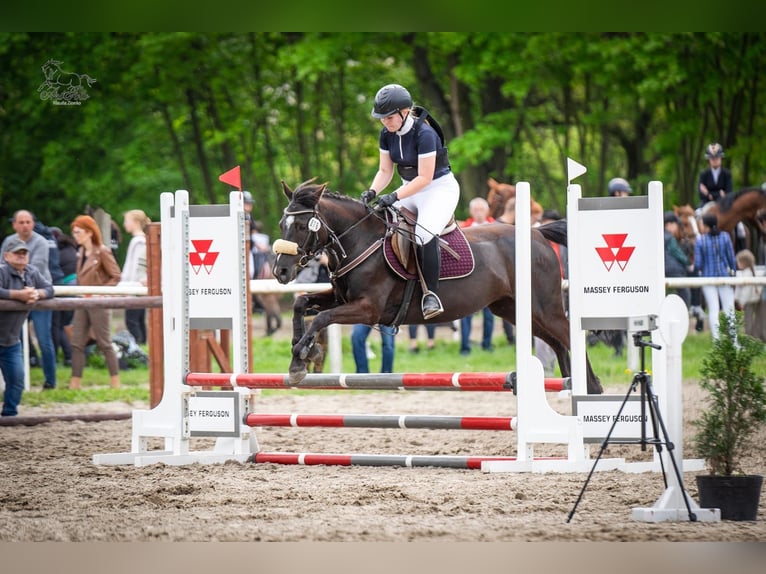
430	258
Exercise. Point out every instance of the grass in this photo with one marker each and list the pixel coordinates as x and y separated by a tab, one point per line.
272	355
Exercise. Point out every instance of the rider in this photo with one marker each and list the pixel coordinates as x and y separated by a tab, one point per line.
715	181
429	189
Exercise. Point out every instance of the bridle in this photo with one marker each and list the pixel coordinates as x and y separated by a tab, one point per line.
313	242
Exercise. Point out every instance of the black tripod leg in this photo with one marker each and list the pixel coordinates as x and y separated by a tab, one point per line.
656	416
602	449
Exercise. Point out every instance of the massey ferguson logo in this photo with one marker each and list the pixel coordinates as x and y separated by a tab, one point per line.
615	251
202	256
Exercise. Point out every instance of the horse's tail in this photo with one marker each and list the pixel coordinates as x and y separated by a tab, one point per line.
555	231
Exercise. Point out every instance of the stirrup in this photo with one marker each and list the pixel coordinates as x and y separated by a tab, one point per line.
431	310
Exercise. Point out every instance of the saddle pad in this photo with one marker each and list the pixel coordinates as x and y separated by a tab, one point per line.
451	268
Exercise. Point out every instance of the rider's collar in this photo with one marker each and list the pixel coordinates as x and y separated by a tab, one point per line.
406	126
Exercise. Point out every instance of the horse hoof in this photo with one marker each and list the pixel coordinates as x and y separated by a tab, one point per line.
297	375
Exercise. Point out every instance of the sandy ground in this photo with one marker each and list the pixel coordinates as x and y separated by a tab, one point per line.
51	491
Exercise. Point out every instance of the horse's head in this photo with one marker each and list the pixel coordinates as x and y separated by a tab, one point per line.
498	195
688	230
50	68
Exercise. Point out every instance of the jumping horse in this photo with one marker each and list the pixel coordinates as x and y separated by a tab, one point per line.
364	289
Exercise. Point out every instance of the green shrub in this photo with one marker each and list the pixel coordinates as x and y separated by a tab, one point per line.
736	402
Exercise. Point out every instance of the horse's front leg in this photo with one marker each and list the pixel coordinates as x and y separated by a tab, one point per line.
304	340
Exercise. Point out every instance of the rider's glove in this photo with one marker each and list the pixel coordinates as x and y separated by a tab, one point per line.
387	200
368	195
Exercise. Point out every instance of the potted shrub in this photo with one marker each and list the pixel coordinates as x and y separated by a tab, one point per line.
736	409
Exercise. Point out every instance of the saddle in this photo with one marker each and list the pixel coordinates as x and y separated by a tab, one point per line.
399	248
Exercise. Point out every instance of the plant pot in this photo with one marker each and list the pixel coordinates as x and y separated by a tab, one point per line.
736	496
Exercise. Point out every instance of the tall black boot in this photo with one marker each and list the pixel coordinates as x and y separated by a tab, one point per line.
430	261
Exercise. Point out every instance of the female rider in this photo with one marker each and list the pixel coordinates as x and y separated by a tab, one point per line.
429	189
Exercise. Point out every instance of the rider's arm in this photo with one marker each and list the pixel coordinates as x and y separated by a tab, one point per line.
385	172
426	168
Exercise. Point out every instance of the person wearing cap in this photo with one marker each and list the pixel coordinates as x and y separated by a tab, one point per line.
19	281
619	187
715	181
428	187
39	258
676	262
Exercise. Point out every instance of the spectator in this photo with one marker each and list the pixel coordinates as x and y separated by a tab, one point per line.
260	249
715	181
748	297
714	257
430	333
39	258
478	209
96	266
135	222
509	217
676	262
359	334
19	281
62	320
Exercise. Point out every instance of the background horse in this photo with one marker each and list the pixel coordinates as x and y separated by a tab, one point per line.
365	291
498	195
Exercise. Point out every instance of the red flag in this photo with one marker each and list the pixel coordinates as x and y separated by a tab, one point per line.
232	177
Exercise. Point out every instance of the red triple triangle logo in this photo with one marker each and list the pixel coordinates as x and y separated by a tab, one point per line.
615	251
202	256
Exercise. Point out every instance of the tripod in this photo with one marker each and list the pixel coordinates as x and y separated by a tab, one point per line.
648	400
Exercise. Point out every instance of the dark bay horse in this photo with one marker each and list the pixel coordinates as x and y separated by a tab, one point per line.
366	291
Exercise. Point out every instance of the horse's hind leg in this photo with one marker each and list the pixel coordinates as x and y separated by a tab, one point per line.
555	331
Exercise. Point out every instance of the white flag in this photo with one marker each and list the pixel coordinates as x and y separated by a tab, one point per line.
574	169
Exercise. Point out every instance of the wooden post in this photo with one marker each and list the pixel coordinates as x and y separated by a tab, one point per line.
155	336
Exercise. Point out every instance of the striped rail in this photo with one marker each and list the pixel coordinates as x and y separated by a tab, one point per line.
444	461
496	382
381	421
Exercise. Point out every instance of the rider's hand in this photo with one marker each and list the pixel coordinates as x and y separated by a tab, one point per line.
387	200
368	195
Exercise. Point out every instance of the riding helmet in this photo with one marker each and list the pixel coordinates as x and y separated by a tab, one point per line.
390	99
618	184
714	150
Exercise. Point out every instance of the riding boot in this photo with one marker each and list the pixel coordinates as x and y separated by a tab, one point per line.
430	261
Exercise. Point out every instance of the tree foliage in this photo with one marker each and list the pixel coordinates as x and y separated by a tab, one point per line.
175	110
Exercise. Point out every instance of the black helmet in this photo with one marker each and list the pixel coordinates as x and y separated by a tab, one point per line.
714	150
618	184
390	99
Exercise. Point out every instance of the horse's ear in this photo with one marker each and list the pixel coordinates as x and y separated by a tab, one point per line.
492	183
287	190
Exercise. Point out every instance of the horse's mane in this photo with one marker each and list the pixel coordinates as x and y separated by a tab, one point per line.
728	200
305	193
